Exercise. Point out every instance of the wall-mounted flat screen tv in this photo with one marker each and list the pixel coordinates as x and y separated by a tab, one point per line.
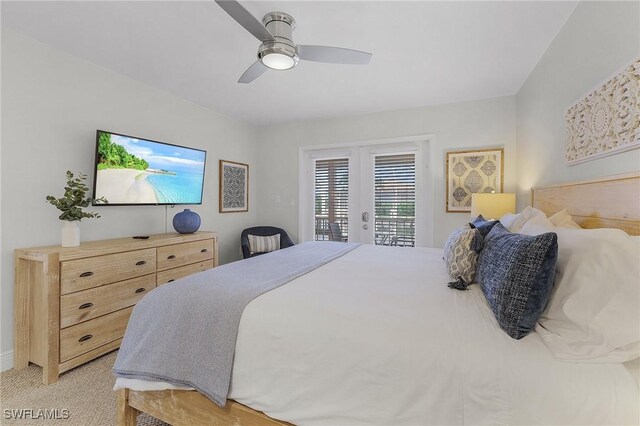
135	171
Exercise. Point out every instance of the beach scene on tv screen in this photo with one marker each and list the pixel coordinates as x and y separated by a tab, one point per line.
136	171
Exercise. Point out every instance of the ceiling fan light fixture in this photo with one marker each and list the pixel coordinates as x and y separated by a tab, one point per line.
278	54
278	61
278	50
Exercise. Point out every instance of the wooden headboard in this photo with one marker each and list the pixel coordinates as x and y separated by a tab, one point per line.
610	202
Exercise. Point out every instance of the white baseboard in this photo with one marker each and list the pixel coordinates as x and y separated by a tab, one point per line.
6	360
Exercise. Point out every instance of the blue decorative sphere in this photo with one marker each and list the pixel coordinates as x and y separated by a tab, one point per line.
186	222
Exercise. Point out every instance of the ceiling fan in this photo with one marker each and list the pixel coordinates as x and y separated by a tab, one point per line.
278	51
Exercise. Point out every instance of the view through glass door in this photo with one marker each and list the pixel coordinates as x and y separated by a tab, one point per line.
365	196
394	207
331	199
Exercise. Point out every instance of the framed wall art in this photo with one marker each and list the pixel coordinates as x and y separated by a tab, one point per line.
470	172
605	121
234	187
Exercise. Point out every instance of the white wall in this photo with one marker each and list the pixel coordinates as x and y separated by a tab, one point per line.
52	104
598	39
479	124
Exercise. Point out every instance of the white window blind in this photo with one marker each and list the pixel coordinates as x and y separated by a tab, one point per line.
395	199
332	199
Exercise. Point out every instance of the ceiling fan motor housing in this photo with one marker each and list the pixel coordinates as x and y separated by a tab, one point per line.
281	26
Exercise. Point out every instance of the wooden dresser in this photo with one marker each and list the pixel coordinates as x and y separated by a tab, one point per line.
73	304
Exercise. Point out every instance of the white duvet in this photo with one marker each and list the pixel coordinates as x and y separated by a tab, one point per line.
376	337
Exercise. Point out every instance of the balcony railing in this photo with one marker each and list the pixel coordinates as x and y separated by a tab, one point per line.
389	231
322	227
395	231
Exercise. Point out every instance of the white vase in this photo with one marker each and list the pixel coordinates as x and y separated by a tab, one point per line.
70	234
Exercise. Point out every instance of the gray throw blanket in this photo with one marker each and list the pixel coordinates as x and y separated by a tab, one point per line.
185	332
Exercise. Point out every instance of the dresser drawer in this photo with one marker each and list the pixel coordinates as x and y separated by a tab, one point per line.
81	274
88	304
88	335
173	274
184	254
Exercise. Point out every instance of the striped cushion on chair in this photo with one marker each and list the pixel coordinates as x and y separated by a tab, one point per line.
258	244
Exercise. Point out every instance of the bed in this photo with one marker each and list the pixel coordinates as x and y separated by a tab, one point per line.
375	337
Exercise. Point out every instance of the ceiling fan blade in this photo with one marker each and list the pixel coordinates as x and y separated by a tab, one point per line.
333	55
244	18
253	72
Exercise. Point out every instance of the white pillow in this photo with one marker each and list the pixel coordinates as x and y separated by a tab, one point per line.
516	224
593	313
563	219
507	220
538	224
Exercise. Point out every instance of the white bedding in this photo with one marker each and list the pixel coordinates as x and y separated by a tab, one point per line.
376	337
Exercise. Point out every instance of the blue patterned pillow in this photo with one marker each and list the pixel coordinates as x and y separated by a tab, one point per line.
461	256
516	274
483	225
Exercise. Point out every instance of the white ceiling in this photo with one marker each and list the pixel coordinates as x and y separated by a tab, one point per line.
424	53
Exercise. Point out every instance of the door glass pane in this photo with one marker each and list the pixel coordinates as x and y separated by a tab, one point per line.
395	200
332	199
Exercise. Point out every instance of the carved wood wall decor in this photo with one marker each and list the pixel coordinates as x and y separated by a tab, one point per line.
607	120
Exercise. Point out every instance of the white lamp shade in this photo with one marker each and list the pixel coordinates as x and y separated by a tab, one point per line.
492	206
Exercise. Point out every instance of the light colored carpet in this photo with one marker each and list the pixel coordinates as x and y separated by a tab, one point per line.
86	392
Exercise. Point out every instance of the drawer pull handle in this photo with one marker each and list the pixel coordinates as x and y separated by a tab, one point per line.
140	290
140	263
170	280
173	256
86	305
86	274
85	338
204	251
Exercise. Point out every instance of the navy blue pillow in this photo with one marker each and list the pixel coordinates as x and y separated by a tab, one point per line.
477	220
516	275
483	225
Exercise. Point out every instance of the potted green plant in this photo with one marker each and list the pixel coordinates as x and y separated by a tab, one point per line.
71	204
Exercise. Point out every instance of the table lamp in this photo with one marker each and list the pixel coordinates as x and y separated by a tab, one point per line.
492	205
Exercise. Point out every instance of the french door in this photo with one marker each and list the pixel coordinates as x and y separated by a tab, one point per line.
331	199
388	199
368	194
